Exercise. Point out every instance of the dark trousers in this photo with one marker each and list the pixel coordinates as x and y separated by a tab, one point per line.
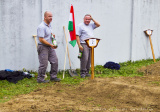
85	60
45	54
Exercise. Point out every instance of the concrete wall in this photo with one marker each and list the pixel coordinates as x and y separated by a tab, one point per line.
122	25
18	22
146	15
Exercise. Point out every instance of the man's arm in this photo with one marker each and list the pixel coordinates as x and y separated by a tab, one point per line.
42	40
78	42
95	22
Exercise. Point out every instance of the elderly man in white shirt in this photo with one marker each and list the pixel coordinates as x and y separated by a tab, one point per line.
85	30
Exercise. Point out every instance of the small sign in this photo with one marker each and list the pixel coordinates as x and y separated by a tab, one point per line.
149	32
92	42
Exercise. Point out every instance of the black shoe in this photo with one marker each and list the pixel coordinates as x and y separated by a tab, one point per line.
82	76
45	81
88	75
55	79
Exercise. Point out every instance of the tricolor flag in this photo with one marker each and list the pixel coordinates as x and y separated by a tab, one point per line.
71	27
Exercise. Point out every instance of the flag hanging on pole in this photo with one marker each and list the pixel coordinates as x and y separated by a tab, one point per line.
71	27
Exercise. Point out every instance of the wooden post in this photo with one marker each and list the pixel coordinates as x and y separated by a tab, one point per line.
92	45
149	33
152	48
65	52
35	39
92	62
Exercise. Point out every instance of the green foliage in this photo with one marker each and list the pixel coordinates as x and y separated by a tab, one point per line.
128	68
9	90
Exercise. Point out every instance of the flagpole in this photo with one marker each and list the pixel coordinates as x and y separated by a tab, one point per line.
65	52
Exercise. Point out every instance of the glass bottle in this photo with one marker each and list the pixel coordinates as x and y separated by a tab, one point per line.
54	42
80	54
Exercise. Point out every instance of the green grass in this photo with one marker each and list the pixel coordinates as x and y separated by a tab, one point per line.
9	90
127	69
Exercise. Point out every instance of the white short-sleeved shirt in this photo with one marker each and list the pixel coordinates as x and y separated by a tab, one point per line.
44	31
85	31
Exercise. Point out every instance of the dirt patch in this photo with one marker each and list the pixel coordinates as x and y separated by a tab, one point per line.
119	94
153	69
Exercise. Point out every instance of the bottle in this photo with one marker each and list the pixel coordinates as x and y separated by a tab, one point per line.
80	54
54	42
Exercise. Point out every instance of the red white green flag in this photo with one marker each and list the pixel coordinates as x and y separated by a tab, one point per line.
71	27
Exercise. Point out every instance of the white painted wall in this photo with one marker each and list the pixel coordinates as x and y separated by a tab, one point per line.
18	22
122	25
146	15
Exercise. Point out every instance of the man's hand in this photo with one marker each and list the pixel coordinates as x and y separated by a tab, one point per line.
53	35
80	48
96	23
42	40
90	16
78	42
53	47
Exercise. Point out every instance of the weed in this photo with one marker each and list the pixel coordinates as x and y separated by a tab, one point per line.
156	83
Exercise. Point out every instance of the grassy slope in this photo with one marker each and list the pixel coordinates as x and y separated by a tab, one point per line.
9	90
